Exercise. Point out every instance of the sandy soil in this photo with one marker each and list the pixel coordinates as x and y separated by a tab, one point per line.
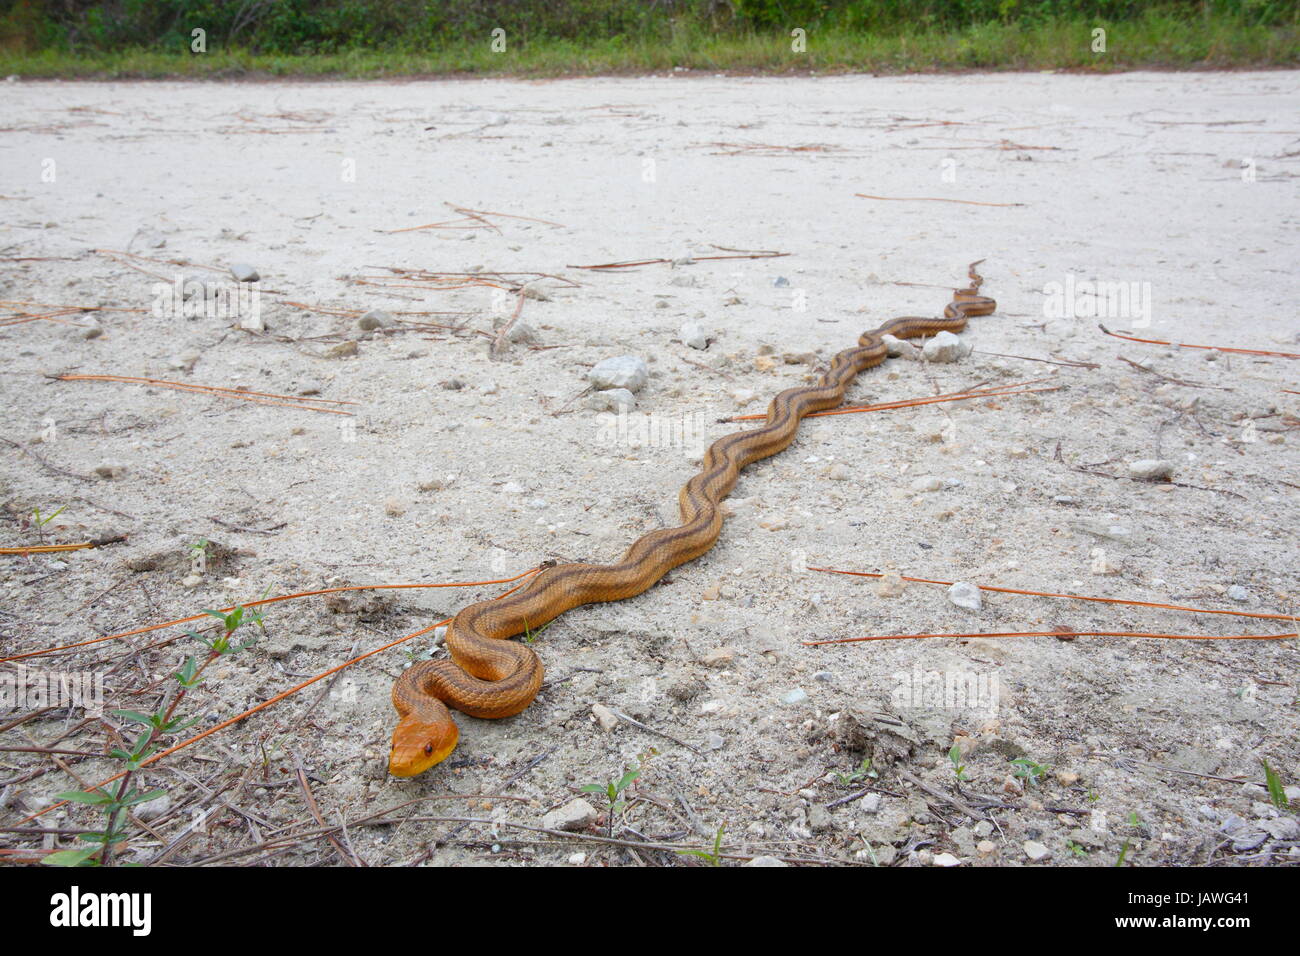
460	466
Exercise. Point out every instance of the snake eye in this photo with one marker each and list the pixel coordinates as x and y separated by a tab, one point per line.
428	750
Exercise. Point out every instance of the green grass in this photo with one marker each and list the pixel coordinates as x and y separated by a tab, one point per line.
1155	41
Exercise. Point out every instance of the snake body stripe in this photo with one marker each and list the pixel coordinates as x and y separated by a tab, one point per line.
488	676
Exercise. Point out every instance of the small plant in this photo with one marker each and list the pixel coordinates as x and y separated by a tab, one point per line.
864	770
161	723
530	635
1076	849
714	856
1029	771
958	768
613	791
40	521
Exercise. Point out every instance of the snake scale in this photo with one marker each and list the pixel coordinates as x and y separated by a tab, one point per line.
489	676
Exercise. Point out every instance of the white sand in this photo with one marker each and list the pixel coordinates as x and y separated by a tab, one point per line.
1136	178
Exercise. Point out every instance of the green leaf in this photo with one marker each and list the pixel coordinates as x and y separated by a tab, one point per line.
70	857
143	797
97	797
592	788
1276	792
135	715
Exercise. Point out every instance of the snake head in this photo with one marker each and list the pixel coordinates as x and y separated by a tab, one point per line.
419	744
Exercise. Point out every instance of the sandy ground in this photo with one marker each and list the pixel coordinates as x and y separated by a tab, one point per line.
458	466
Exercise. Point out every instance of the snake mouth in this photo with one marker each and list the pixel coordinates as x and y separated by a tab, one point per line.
419	745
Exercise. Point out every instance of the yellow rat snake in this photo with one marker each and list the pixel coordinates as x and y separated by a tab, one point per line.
488	676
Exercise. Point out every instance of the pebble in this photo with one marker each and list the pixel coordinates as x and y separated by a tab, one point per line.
796	696
926	483
375	319
1151	469
607	719
946	859
870	803
110	470
523	332
1036	851
714	741
819	818
573	816
838	472
946	347
243	272
766	861
719	657
966	595
1238	593
983	828
890	585
343	350
985	847
695	335
895	346
577	859
780	282
623	371
611	400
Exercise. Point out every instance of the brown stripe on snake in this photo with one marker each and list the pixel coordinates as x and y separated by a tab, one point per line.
488	676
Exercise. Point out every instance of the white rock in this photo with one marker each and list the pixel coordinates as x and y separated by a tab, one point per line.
766	861
623	371
964	594
375	319
926	483
573	816
1151	469
946	859
896	346
695	335
607	718
946	347
243	272
1036	851
612	400
1238	593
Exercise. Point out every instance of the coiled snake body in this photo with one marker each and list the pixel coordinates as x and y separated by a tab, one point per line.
488	676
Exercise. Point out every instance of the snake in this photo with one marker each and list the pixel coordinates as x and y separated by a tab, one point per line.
486	675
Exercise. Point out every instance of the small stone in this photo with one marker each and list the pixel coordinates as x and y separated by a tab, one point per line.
573	816
796	696
1151	469
110	470
513	488
343	350
577	859
780	282
985	847
607	719
838	472
965	595
946	347
375	319
766	861
522	332
1036	851
719	657
895	346
243	272
714	741
1238	593
694	334
926	483
819	818
983	828
870	803
946	859
394	508
623	371
764	363
890	585
611	400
